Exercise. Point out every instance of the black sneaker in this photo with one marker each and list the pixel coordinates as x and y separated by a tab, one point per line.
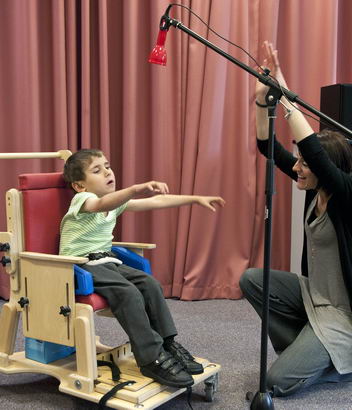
184	357
167	370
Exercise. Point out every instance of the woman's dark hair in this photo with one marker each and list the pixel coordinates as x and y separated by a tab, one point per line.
78	162
338	149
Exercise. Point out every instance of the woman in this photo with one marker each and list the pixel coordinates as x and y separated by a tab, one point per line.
310	317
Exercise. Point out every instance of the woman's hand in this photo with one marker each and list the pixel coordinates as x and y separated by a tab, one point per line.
271	61
299	126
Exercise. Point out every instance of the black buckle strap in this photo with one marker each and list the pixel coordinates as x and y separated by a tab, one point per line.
115	375
99	255
111	393
115	371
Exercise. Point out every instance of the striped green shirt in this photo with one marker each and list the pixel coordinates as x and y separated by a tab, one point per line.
82	233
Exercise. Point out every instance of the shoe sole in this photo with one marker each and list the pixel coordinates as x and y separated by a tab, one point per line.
195	372
166	382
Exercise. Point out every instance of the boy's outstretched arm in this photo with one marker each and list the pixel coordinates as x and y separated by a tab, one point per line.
115	199
171	201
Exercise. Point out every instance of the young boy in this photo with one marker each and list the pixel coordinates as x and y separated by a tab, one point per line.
135	298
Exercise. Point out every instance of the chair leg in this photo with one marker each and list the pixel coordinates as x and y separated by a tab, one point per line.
8	324
85	349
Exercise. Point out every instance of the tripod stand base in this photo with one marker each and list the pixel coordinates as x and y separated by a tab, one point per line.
262	401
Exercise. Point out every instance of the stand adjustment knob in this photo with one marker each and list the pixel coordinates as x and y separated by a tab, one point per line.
4	247
23	302
65	311
5	261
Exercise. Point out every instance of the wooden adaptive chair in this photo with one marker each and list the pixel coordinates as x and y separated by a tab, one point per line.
56	299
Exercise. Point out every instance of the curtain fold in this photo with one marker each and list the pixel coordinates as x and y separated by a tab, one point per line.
74	74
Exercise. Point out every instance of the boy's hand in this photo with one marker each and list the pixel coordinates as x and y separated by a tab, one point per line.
210	201
151	188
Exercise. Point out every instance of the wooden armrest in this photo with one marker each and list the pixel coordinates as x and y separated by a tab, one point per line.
53	258
135	245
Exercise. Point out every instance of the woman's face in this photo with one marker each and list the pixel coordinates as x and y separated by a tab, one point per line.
305	177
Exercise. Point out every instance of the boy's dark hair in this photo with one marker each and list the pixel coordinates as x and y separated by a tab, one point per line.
78	162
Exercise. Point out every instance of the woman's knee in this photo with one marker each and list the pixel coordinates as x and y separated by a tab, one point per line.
277	383
281	384
275	377
250	276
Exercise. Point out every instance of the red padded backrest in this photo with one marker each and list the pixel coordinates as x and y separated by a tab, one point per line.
46	199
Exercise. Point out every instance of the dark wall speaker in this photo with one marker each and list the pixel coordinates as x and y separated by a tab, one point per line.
336	102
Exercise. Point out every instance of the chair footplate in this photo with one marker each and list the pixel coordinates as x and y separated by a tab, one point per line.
144	390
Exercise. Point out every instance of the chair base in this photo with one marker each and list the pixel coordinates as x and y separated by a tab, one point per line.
144	393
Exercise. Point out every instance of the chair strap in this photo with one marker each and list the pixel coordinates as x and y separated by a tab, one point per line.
111	393
115	374
115	371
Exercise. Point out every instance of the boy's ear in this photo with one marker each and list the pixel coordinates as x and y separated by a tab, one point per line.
78	186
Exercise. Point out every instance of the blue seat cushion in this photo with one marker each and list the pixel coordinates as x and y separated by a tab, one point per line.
84	280
132	259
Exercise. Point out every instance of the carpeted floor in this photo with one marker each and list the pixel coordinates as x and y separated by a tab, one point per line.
224	331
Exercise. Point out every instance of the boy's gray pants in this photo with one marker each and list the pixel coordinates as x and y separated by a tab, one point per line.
302	360
137	301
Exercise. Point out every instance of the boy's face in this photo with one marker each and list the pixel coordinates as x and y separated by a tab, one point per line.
99	178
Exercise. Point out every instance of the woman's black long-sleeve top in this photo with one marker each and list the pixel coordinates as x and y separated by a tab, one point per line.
334	181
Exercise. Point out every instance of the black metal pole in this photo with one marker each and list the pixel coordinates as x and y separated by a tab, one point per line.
262	399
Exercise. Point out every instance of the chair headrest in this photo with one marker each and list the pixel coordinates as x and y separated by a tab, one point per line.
41	181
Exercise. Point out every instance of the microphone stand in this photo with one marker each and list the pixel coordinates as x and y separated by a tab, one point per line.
262	399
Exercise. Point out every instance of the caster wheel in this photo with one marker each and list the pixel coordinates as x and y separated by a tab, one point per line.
249	396
209	393
211	386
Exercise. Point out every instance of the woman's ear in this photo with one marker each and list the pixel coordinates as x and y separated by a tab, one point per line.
78	186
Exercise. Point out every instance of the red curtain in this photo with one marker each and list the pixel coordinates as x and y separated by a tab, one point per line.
73	73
